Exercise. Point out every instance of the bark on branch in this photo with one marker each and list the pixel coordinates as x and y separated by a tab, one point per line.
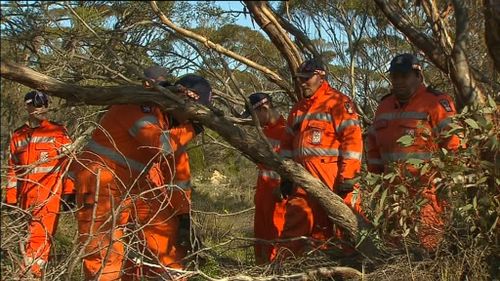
254	148
492	30
271	75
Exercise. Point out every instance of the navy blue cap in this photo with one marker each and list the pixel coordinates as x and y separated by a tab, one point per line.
36	98
154	72
197	84
310	67
256	100
404	63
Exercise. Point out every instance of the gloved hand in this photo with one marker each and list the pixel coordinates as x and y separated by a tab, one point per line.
198	127
345	186
184	231
68	202
286	188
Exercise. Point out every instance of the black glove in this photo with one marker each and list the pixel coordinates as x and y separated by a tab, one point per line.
184	231
68	202
346	186
286	188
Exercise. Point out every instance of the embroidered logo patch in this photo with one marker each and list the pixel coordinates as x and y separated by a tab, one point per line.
446	105
348	107
410	132
44	156
316	137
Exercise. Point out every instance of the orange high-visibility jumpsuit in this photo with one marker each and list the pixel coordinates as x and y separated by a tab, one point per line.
425	117
113	190
269	214
35	182
173	177
323	135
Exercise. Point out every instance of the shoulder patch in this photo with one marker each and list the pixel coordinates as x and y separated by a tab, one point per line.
146	109
446	104
434	91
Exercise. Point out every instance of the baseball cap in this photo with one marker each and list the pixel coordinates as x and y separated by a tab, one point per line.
310	67
256	99
197	84
36	98
404	63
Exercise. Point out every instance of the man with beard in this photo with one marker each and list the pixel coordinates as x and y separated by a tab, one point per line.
423	114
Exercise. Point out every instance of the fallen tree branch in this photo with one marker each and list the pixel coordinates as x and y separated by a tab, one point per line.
254	148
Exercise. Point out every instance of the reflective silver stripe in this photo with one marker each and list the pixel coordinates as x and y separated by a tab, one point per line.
181	150
322	116
184	185
398	156
403	115
165	142
21	143
43	140
141	123
286	153
12	184
346	123
269	174
351	155
313	151
115	156
442	125
375	161
44	170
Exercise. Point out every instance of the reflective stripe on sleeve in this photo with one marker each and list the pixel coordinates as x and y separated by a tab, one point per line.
165	142
269	174
346	123
44	170
12	184
184	185
115	156
442	125
21	143
43	140
141	123
351	155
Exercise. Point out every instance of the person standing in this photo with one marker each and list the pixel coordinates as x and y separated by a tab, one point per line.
423	114
35	180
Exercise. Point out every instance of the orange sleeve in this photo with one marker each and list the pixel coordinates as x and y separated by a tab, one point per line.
11	188
67	182
441	118
374	160
181	195
348	131
286	142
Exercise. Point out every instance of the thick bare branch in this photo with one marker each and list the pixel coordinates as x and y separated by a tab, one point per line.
254	148
267	20
492	30
271	75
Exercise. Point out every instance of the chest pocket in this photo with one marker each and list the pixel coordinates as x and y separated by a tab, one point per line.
45	151
316	132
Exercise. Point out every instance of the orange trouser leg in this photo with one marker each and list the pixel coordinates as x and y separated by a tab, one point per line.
158	232
41	230
267	224
100	225
431	225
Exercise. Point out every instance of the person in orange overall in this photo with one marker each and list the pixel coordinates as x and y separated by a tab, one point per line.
269	212
35	180
323	134
110	177
173	176
412	109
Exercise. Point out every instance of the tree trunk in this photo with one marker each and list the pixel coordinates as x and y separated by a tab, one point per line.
254	148
492	30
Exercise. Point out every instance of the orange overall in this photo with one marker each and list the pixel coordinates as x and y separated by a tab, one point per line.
269	214
35	182
113	189
425	118
324	136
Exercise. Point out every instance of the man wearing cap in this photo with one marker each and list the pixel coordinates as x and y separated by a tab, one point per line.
323	135
269	212
423	114
35	179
